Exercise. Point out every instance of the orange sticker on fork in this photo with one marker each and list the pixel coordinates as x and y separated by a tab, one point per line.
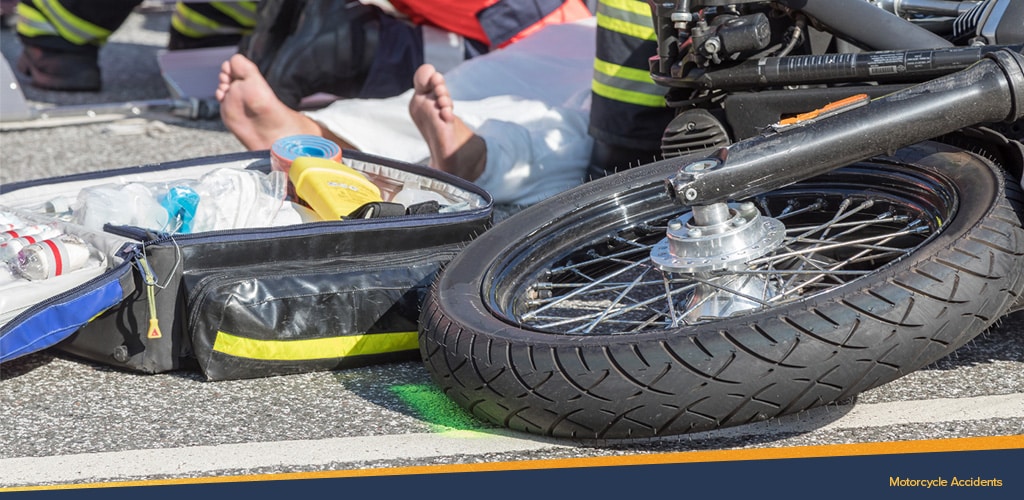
832	108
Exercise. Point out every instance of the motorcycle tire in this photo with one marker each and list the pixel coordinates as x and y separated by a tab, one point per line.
897	298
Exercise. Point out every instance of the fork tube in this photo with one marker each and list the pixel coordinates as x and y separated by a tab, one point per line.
991	90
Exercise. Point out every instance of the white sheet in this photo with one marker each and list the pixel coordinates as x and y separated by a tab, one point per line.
530	102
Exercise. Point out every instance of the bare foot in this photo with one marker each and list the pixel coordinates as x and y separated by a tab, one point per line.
251	110
454	148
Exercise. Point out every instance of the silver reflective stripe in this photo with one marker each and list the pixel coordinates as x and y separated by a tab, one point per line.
245	16
639	18
648	87
185	24
31	27
71	28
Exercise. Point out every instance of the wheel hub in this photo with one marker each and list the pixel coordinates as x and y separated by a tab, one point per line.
717	237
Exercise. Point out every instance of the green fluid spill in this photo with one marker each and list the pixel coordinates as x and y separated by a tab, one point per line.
437	409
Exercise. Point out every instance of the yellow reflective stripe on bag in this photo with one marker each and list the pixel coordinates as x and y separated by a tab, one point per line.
308	349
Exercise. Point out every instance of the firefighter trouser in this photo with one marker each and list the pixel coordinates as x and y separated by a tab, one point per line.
86	24
628	111
227	21
71	25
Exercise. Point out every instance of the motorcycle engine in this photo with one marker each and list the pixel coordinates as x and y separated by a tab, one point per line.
993	22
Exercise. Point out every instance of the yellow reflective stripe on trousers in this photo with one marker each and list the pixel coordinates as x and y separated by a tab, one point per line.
309	349
631	22
629	96
193	24
621	83
244	13
31	22
632	6
71	27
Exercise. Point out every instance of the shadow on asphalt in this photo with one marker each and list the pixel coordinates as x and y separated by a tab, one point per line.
129	72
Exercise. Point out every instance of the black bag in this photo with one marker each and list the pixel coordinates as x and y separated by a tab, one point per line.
250	302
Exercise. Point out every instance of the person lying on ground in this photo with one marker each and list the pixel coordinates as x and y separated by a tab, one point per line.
520	132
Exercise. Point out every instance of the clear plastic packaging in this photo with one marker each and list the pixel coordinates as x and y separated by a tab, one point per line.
132	204
411	195
6	274
234	199
225	198
9	221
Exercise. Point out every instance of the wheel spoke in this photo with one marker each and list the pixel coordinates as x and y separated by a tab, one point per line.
607	286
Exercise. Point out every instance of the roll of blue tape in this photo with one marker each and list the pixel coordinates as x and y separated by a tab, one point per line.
287	149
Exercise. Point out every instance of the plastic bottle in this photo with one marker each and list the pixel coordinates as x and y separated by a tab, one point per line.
55	257
59	207
23	231
10	248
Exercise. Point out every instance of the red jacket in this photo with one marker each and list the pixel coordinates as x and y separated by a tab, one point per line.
494	22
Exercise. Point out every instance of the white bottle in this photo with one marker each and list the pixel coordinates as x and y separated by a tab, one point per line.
59	207
23	231
10	248
55	257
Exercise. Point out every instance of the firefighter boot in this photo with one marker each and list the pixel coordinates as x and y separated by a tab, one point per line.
54	69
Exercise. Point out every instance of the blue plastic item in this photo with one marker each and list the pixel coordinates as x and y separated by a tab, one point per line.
181	203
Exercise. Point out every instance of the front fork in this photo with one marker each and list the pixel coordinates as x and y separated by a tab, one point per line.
719	235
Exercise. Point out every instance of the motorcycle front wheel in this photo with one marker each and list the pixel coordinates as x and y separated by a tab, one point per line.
556	322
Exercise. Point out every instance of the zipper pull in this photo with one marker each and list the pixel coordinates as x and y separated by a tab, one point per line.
150	278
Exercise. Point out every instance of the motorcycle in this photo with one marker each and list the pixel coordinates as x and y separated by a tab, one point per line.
778	258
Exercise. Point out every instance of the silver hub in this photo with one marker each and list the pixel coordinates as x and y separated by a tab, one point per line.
717	237
745	293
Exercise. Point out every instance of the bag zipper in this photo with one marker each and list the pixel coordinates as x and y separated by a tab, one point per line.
149	277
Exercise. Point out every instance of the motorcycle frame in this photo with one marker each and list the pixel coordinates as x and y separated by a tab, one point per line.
991	89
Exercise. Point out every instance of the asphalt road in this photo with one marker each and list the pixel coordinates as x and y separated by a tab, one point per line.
64	420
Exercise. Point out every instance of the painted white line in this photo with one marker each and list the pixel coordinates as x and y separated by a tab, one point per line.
863	416
133	464
932	411
112	466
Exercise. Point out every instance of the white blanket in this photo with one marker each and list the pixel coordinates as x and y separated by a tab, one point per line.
530	102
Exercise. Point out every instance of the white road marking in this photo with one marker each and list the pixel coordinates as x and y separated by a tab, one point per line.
191	461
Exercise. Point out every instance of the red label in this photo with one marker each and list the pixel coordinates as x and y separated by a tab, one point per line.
57	258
